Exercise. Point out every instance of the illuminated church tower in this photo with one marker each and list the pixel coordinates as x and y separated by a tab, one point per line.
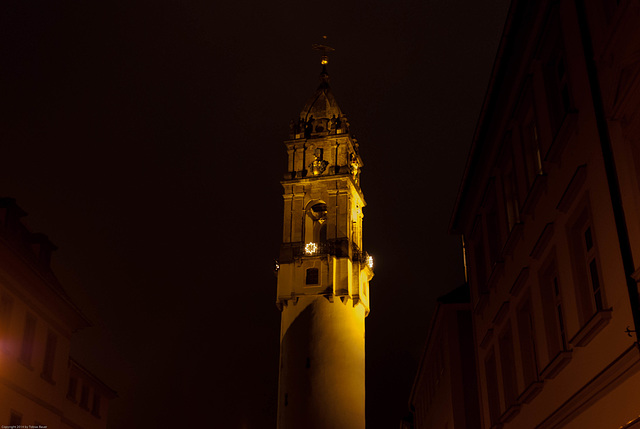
323	276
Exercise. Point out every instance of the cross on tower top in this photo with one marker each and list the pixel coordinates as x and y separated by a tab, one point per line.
324	59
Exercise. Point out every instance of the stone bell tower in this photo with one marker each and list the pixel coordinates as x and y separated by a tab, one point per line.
323	273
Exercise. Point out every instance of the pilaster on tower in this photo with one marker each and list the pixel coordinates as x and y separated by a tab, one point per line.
324	274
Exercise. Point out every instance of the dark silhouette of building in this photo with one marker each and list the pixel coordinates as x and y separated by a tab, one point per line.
549	210
445	391
40	385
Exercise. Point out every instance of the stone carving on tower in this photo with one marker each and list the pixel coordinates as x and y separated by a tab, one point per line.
323	273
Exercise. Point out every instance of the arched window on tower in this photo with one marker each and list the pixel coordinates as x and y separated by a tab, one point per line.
315	222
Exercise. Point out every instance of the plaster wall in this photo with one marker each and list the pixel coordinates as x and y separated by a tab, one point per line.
322	367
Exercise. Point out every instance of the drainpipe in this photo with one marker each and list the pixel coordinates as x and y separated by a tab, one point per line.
464	260
610	166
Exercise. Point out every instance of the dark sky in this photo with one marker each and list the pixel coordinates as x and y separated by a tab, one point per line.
146	139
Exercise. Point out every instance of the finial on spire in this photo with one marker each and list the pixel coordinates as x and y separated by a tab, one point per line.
324	59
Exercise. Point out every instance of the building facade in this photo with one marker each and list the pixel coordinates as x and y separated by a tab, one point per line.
323	273
549	209
445	391
40	385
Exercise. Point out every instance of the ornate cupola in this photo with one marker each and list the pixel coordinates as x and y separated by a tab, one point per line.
323	273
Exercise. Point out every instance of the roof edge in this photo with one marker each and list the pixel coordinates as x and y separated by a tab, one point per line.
498	65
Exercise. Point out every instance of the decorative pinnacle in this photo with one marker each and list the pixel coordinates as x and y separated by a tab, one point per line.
324	58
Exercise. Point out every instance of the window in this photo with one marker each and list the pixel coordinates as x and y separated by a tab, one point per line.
312	276
26	352
6	304
49	356
492	388
553	310
529	138
72	389
594	276
493	224
315	222
526	333
509	186
95	409
84	396
507	361
555	75
478	256
15	419
586	264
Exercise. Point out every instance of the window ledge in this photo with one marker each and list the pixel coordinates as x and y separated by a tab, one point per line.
483	300
515	235
520	282
590	329
531	392
543	241
622	367
573	189
501	313
48	379
25	363
510	413
486	339
496	274
556	365
539	185
569	124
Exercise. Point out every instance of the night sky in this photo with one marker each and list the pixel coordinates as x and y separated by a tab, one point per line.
146	140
